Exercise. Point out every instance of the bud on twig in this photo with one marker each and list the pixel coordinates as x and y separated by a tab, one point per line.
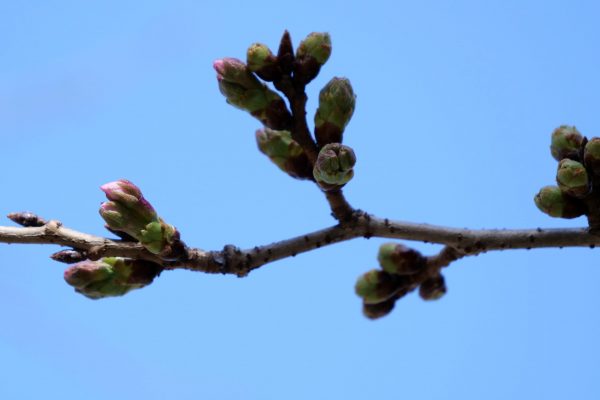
244	91
285	54
377	286
285	152
311	54
572	178
566	143
26	219
129	212
591	156
334	166
336	106
552	201
68	256
262	62
400	260
110	276
433	288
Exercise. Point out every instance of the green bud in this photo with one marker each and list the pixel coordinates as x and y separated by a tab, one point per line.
336	106
285	152
566	142
433	288
398	259
129	212
243	90
316	45
572	178
110	276
375	311
376	286
261	61
312	53
334	166
552	201
591	155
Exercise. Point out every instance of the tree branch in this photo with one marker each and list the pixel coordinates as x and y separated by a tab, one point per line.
232	260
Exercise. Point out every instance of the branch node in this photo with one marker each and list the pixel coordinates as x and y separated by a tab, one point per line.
51	227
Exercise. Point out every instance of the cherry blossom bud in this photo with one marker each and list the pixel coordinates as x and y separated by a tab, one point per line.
552	201
334	166
243	90
572	178
110	276
401	260
566	142
311	54
336	106
285	152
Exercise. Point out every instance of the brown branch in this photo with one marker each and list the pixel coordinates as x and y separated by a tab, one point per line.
231	260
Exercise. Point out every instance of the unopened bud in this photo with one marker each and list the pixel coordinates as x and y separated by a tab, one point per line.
572	178
591	156
433	288
262	62
26	219
334	166
376	286
110	276
129	212
566	142
401	260
552	201
285	152
243	90
336	106
68	256
285	54
311	54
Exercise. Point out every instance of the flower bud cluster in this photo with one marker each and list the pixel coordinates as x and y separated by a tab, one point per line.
128	211
283	138
402	270
110	276
578	168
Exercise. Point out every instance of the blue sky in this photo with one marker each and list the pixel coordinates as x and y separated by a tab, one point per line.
456	102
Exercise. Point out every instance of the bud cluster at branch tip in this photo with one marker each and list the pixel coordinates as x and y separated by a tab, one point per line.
336	106
402	270
128	211
284	152
110	276
243	90
334	166
577	177
311	54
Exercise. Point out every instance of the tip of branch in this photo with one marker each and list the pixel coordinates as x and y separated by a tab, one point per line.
26	219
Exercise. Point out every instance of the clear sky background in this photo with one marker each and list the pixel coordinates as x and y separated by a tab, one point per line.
456	103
